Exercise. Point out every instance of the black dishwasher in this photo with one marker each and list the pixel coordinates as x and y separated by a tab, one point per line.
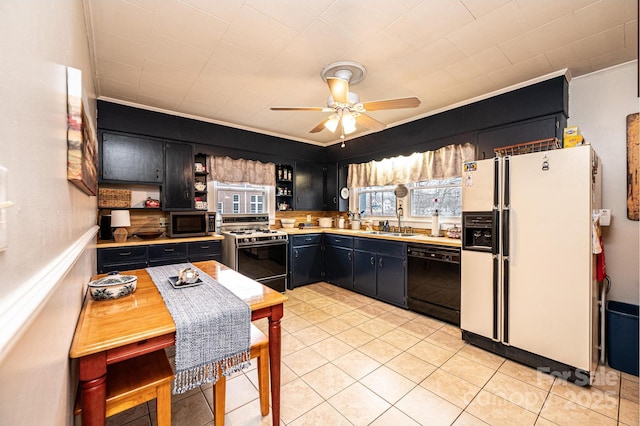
433	282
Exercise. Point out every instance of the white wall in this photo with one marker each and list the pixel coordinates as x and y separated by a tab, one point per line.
599	104
38	40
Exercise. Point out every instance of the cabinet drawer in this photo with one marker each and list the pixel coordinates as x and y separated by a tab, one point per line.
122	255
129	266
204	248
167	251
339	240
306	240
390	248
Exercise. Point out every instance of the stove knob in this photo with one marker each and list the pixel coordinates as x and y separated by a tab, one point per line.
254	239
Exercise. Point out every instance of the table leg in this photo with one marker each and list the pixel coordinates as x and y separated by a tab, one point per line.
274	358
93	388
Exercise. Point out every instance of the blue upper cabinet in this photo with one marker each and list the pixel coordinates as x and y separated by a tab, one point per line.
131	159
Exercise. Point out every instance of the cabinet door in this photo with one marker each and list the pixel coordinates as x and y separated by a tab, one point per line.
364	272
392	284
331	187
308	182
338	266
177	191
131	159
306	265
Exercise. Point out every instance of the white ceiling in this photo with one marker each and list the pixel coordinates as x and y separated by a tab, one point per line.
229	61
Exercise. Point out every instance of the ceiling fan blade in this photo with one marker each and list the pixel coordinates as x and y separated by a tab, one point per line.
339	89
412	102
319	127
301	109
370	123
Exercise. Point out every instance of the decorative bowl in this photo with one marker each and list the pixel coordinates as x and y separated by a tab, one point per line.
287	223
113	286
148	235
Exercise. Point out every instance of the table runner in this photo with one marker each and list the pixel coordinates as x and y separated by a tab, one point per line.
213	328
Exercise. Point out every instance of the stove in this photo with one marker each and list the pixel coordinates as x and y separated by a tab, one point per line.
254	250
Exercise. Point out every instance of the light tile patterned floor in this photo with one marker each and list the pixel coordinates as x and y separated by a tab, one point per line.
350	360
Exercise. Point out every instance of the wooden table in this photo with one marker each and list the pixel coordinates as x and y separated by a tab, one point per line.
115	330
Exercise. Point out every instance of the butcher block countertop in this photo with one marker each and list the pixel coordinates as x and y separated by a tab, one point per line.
416	238
135	241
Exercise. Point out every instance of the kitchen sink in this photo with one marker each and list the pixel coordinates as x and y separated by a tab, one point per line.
391	234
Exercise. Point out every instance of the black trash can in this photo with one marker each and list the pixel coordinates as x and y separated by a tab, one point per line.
622	336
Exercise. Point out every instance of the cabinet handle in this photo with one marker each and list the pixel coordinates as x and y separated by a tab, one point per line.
335	200
349	256
125	253
372	261
295	254
204	247
187	195
380	263
169	250
308	239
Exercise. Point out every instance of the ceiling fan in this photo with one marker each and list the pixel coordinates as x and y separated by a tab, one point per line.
345	106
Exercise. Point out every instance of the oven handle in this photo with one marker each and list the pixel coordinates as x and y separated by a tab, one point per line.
261	244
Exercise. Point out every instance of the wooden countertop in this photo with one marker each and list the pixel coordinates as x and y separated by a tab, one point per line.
135	241
417	238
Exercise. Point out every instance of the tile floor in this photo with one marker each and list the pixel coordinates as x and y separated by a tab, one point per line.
350	360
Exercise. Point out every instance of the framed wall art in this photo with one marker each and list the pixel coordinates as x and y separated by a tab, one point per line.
81	141
633	167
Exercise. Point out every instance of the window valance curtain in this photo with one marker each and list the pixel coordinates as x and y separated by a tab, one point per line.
443	163
228	170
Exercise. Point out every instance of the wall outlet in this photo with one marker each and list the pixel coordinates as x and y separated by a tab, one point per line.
163	223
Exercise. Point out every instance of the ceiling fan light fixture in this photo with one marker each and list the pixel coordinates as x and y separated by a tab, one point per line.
332	123
348	122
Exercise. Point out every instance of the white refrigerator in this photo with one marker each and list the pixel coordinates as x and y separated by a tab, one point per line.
532	294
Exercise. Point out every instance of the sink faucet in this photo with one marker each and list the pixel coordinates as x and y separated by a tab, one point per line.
399	211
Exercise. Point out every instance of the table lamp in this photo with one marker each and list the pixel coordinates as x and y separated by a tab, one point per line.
120	219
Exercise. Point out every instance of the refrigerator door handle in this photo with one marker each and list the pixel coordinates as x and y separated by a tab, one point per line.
496	181
507	183
496	300
505	232
505	301
495	245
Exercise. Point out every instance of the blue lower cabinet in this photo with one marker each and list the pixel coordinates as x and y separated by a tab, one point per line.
380	269
364	272
139	257
338	266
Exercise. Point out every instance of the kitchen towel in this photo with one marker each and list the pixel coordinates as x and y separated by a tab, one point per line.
213	328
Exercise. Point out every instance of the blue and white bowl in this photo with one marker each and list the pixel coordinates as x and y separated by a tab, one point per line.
113	286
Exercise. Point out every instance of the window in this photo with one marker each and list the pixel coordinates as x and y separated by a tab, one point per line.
424	198
241	198
444	195
377	201
256	203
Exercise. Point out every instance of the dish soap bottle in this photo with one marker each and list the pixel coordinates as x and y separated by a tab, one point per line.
435	225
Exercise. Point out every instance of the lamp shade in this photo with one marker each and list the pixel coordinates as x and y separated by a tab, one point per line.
120	218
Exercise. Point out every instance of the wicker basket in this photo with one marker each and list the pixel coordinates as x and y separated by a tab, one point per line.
528	147
114	198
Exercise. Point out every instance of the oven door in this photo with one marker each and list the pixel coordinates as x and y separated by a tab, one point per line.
266	263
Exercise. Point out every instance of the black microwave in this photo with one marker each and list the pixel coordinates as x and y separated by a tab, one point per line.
188	224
